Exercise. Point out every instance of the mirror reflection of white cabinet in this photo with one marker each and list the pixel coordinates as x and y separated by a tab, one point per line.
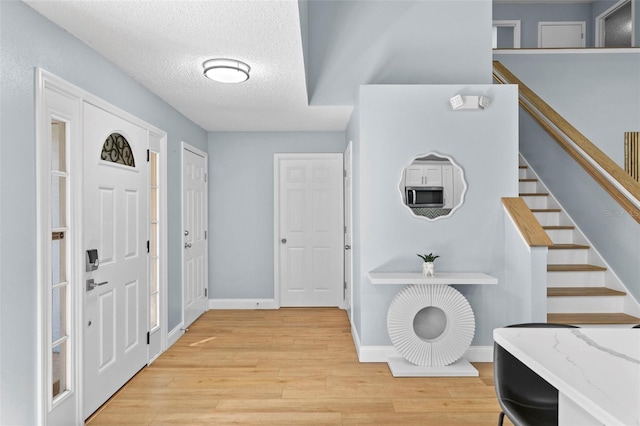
448	186
424	175
432	186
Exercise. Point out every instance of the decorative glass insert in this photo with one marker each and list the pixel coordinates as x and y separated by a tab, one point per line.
116	149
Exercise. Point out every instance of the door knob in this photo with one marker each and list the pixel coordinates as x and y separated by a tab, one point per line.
91	284
187	245
283	241
186	233
347	247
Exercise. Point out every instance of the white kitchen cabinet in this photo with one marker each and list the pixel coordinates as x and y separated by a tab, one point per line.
423	175
447	184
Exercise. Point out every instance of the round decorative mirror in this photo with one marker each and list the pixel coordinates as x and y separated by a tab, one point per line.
432	186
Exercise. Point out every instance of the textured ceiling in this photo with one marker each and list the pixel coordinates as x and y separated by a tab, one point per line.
162	45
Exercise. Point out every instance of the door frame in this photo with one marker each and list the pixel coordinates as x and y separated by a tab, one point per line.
599	23
348	222
46	80
583	25
515	24
277	157
184	146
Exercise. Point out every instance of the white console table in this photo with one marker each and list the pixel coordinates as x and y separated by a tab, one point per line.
430	323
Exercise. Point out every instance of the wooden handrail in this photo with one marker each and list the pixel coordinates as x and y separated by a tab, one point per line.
526	222
538	109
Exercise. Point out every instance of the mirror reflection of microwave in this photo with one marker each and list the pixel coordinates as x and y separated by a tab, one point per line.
424	196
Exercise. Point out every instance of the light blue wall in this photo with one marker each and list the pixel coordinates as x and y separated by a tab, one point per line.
531	14
598	93
27	41
240	169
525	297
398	123
611	230
350	43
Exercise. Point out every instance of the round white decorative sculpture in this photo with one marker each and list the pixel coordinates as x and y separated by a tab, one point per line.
430	325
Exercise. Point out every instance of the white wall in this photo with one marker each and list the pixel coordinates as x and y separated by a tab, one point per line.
241	206
28	41
398	123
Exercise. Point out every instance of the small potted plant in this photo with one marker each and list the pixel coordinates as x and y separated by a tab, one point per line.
428	267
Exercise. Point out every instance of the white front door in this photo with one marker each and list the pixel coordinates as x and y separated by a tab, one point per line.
194	208
310	228
561	34
116	225
348	233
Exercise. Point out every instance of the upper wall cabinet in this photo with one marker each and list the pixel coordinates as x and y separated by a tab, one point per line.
432	186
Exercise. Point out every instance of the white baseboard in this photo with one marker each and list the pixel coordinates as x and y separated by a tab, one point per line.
243	304
174	335
383	353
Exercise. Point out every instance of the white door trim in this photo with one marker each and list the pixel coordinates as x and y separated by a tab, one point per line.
348	221
583	24
45	79
277	157
185	146
515	24
163	244
599	24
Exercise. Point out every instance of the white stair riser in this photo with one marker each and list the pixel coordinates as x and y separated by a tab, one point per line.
528	186
567	256
547	219
536	202
584	304
560	236
522	173
575	279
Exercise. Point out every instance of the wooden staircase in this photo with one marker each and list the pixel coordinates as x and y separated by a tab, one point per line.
580	289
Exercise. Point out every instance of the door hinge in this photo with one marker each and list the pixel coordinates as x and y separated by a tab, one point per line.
345	285
205	235
345	229
344	173
206	292
148	337
148	155
147	246
205	177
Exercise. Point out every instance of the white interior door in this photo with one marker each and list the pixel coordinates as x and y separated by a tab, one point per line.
116	225
310	226
194	209
561	34
348	224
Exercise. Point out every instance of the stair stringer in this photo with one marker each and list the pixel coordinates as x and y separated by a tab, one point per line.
629	305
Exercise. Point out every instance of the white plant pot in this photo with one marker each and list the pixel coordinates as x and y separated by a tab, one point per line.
428	269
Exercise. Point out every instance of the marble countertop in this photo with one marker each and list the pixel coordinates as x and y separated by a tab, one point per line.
443	278
597	368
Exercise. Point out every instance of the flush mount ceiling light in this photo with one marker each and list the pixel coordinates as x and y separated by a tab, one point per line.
469	102
226	70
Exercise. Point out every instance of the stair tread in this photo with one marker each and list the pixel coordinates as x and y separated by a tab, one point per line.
570	267
546	210
593	318
523	167
528	180
534	194
559	227
568	247
583	291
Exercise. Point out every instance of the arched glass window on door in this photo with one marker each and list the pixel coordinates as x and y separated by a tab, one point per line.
116	149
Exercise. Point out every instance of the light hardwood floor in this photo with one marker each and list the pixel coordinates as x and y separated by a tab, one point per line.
293	366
